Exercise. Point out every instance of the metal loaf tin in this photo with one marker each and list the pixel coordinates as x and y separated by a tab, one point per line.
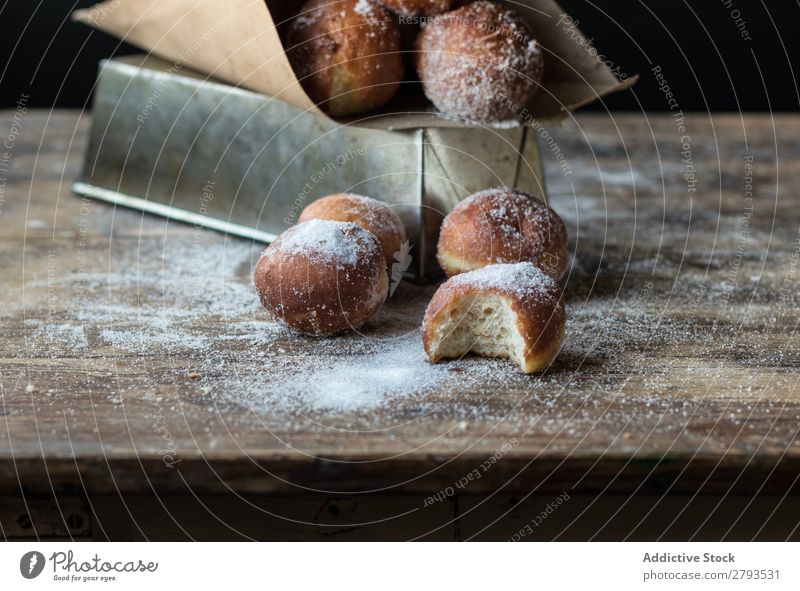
173	143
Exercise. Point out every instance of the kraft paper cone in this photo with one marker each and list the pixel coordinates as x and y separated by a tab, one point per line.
237	41
233	40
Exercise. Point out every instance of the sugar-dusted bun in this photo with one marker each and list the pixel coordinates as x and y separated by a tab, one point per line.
321	277
502	226
509	311
346	54
373	215
419	7
479	62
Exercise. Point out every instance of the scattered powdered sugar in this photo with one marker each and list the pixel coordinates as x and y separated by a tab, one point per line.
335	18
512	226
308	18
342	243
194	307
145	339
195	302
377	20
176	305
371	382
358	209
365	8
254	333
499	198
379	213
157	298
57	334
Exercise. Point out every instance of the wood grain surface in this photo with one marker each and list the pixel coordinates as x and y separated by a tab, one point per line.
135	358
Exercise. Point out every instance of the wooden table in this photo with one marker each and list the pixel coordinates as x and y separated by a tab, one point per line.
142	395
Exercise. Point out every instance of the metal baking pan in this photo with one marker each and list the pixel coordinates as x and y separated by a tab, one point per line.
173	143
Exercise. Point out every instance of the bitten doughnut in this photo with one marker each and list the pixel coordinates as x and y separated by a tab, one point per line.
479	62
321	277
371	214
346	54
509	311
419	7
502	226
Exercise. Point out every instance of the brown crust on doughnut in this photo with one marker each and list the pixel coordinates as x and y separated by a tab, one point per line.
346	54
322	277
419	7
480	62
535	299
502	226
373	215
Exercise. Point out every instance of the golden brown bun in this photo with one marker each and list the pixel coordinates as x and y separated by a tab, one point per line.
509	311
321	277
419	7
346	54
373	215
479	62
502	226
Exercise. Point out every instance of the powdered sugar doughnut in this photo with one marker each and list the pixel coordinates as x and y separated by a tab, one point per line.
502	226
321	277
510	311
346	54
373	215
480	62
419	7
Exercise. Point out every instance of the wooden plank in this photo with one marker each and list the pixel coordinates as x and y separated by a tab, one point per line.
135	355
560	516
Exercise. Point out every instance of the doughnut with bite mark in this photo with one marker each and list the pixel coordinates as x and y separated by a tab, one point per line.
321	277
508	311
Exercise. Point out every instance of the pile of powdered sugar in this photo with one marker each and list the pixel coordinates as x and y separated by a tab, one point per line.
367	374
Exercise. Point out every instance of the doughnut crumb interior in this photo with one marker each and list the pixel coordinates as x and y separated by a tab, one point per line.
507	311
483	324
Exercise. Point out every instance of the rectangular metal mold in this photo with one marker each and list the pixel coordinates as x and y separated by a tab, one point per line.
175	144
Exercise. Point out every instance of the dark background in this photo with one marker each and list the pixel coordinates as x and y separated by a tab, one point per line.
701	51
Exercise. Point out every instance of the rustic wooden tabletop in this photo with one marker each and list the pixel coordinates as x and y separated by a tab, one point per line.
136	361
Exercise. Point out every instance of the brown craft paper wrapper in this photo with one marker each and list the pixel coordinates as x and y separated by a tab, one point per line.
238	41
